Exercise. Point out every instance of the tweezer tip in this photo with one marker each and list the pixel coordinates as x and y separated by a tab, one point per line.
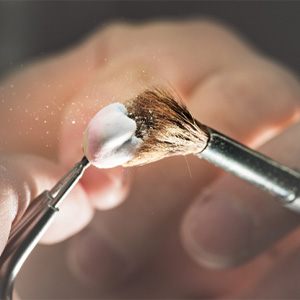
84	161
69	180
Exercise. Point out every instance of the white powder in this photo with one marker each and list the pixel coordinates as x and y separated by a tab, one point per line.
110	139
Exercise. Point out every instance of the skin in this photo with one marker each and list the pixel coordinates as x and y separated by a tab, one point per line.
186	230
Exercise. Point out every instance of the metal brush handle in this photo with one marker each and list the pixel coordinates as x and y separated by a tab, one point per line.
265	173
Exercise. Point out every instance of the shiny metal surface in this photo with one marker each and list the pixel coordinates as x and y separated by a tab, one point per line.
27	233
245	163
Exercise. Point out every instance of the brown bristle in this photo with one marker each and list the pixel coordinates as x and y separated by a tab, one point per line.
165	126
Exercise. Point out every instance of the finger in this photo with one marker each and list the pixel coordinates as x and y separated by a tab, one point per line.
32	100
251	101
106	189
233	221
22	179
76	205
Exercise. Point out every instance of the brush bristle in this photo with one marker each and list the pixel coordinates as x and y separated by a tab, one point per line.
165	126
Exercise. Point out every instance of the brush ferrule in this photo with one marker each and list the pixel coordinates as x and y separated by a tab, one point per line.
265	173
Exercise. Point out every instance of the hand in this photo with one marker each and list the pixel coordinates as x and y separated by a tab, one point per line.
186	229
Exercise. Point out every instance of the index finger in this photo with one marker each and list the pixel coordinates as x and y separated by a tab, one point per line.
33	99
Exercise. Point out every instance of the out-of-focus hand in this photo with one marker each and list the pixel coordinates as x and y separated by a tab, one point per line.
186	229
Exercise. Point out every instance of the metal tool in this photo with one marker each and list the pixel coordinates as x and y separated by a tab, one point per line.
27	233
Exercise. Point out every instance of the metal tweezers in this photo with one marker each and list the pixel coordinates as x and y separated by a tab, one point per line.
26	234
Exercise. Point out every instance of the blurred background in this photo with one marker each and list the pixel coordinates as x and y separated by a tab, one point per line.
35	28
32	29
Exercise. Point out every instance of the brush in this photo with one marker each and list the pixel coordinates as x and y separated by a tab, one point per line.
155	125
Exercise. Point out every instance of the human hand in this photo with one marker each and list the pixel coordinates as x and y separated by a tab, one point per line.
171	214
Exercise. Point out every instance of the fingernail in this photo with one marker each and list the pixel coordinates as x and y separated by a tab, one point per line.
217	231
106	189
96	262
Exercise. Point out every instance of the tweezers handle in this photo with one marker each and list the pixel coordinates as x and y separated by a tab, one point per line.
23	239
27	233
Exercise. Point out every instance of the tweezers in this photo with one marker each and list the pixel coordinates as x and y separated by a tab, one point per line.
27	233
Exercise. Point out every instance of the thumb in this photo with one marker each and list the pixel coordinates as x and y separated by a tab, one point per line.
233	222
